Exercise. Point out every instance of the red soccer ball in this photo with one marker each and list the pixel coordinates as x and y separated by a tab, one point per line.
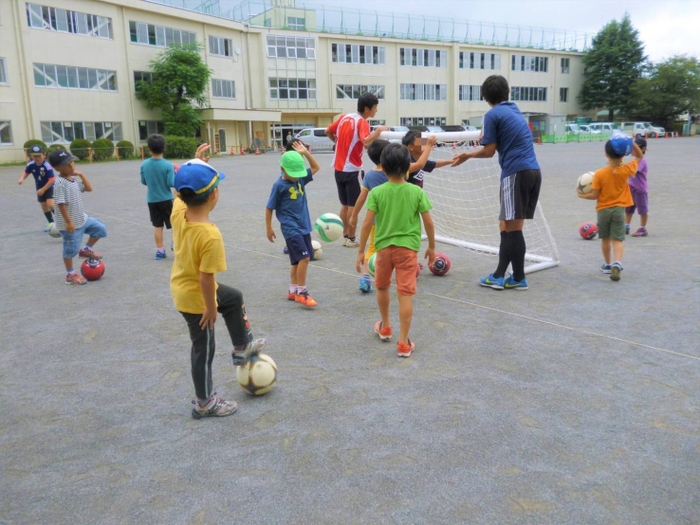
92	269
441	265
588	230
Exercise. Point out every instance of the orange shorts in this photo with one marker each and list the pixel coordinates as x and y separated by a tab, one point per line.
405	262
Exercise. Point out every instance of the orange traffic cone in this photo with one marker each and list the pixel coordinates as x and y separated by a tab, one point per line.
242	150
233	150
257	151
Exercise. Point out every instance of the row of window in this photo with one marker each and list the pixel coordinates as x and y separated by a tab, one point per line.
5	132
220	46
423	92
470	92
54	76
355	91
67	21
358	54
536	94
291	47
159	36
469	60
411	56
293	88
529	63
69	131
223	88
423	121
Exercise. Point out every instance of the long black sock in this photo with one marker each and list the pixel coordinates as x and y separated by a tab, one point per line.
517	254
503	257
49	216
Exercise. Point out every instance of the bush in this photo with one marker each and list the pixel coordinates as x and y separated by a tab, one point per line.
80	148
54	147
181	147
32	142
125	149
102	149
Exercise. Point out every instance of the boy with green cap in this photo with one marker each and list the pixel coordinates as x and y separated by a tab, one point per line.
288	201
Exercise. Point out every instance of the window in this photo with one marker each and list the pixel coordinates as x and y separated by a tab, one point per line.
220	46
66	21
5	132
423	121
563	94
565	65
159	36
296	23
469	60
358	54
528	63
376	122
150	127
293	88
470	92
411	56
354	91
72	77
533	94
142	76
423	92
3	72
223	88
291	47
68	131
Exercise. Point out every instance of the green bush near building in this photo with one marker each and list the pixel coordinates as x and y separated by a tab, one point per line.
180	147
54	147
125	149
102	149
80	148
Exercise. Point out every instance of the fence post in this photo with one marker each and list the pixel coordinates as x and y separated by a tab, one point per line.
90	154
117	150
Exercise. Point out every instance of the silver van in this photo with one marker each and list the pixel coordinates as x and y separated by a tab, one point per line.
316	138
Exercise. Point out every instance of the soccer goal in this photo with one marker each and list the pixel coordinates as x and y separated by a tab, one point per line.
466	203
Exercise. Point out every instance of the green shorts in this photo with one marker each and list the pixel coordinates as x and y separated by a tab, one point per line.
611	223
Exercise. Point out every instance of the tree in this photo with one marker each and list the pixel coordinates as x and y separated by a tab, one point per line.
671	88
178	88
611	67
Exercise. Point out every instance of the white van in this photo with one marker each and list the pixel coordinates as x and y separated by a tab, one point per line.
601	127
316	138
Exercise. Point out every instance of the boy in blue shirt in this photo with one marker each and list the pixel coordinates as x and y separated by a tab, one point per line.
158	175
288	201
44	179
507	131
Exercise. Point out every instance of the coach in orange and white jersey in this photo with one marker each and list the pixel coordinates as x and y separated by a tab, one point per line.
351	136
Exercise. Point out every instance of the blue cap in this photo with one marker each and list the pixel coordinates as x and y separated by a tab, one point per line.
198	176
621	142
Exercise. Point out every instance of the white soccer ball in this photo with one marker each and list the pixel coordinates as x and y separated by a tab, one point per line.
258	375
318	249
53	231
584	182
329	227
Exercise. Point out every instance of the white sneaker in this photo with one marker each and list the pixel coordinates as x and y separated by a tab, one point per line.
351	242
216	407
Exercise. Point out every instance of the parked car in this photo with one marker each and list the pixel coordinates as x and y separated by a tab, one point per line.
316	138
571	128
636	129
585	128
427	129
601	127
654	131
399	129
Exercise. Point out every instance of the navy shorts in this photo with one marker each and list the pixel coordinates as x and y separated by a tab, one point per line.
348	183
48	194
160	213
299	248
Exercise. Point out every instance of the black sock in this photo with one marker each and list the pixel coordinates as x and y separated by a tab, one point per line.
49	216
503	257
517	254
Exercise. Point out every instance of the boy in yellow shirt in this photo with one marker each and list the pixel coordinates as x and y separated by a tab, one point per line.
199	255
611	190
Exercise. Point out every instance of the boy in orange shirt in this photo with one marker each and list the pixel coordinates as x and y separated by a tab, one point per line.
611	190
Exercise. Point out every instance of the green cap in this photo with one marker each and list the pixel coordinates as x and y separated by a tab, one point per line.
293	165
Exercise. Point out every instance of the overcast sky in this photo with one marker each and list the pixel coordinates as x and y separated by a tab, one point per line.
666	27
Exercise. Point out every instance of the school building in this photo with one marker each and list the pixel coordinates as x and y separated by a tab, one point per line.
68	69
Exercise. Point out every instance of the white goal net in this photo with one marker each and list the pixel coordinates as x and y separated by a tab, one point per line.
466	204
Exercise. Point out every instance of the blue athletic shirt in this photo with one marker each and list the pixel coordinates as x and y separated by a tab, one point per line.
41	173
374	178
158	175
506	127
288	199
416	177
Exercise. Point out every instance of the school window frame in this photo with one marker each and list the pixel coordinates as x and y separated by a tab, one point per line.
296	23
220	46
281	88
299	47
56	76
348	91
6	133
69	21
223	88
563	94
3	71
142	76
66	131
565	66
159	36
150	127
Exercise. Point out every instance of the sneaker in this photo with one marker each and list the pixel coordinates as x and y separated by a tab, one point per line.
216	407
241	357
641	232
160	255
405	349
48	227
492	282
365	285
305	299
285	250
383	333
627	229
351	242
511	284
291	296
606	268
615	271
74	278
86	253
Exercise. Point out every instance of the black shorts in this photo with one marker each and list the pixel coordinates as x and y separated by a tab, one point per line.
519	194
48	194
300	248
160	213
348	183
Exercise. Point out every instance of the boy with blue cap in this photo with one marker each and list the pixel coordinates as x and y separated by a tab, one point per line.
44	180
199	255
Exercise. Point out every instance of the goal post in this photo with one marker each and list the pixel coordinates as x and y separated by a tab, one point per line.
466	203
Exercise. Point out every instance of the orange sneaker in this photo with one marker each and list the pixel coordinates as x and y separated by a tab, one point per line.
305	299
383	333
405	349
291	296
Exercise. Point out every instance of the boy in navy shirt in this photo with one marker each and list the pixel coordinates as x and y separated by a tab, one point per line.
288	201
158	175
507	131
44	180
